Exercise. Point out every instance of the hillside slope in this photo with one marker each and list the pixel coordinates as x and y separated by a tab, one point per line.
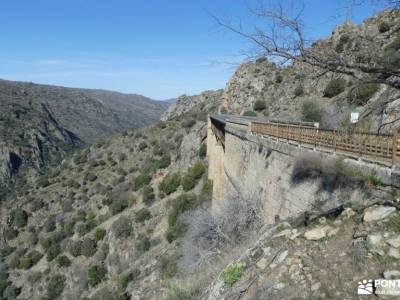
42	123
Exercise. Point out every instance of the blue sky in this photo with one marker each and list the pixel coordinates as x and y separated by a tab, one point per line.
157	48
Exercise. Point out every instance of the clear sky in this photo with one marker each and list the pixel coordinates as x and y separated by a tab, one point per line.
157	48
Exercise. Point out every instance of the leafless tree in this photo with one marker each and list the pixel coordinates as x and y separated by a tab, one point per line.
208	237
280	37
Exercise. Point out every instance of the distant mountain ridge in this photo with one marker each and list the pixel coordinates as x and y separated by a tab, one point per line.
41	123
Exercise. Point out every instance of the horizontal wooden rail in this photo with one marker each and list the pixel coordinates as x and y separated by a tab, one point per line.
380	146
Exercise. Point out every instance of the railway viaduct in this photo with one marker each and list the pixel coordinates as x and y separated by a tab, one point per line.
252	157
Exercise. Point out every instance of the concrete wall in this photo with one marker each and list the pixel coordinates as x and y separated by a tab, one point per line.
252	166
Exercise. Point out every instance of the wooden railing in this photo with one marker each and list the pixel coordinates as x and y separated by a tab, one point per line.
382	147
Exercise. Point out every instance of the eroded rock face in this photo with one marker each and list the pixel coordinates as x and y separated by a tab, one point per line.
9	164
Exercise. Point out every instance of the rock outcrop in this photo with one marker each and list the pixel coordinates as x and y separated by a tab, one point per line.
183	104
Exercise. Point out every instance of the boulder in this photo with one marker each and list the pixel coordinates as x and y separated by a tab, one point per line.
317	233
262	263
391	274
394	242
374	240
394	253
377	213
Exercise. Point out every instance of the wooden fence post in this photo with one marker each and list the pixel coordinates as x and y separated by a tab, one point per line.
315	138
394	146
334	140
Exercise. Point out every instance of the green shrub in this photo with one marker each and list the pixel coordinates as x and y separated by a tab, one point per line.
126	278
206	191
142	215
55	286
299	91
84	227
118	205
63	261
53	239
143	244
6	251
11	292
96	274
90	177
53	251
80	158
384	27
335	87
203	150
67	205
188	123
168	266
259	105
342	42
50	224
395	44
311	112
140	181
99	234
4	283
122	157
33	277
37	204
188	182
278	78
182	203
10	233
170	183
197	170
374	181
231	274
249	113
148	195
88	247
43	182
175	231
122	227
142	146
362	93
163	162
18	217
30	259
74	247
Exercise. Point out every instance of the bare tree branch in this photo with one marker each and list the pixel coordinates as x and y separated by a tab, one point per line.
282	40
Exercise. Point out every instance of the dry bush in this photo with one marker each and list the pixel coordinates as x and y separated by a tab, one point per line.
210	240
332	173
